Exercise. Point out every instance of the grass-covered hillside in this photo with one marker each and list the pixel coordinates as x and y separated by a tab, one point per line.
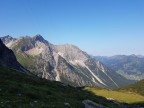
18	90
137	88
119	96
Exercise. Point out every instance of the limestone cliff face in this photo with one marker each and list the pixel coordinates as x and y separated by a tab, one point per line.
65	63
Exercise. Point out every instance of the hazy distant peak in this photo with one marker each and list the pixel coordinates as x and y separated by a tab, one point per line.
133	55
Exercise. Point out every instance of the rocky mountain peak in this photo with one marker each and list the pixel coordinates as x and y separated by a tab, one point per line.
38	37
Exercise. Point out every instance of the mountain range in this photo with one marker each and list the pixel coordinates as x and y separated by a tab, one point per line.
64	63
129	66
18	88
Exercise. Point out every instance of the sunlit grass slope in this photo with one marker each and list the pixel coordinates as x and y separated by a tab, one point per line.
126	97
136	88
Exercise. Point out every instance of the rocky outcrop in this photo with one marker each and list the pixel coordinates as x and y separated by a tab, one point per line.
91	104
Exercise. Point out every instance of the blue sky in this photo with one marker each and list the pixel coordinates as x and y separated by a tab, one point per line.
99	27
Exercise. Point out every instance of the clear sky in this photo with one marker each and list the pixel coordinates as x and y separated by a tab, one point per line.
99	27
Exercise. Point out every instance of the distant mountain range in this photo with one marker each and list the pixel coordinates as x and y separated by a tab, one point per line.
131	67
65	63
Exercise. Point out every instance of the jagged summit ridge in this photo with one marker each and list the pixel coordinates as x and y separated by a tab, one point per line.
39	38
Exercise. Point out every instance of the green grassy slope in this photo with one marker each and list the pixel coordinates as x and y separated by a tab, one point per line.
18	90
119	96
136	88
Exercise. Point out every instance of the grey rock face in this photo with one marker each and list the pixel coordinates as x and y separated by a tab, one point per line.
91	104
71	52
65	63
